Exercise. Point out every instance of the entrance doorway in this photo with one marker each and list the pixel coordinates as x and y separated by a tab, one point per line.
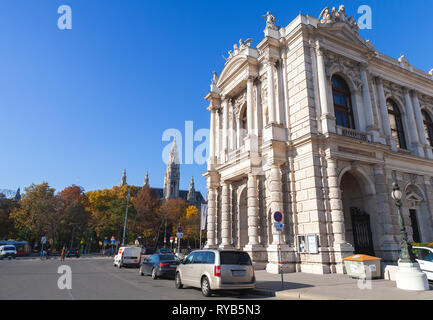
357	222
363	241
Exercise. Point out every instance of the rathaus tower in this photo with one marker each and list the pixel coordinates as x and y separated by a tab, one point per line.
172	174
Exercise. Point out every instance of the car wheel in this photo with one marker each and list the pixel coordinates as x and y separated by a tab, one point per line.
154	275
141	272
178	281
120	265
205	287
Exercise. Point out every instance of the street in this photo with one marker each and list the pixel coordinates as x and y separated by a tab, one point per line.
92	278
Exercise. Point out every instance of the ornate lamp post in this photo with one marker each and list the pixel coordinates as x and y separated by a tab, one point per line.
126	216
409	275
406	254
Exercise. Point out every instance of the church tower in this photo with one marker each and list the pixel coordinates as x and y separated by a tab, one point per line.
191	191
123	181
146	180
172	174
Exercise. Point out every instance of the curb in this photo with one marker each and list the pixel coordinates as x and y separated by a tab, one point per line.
292	295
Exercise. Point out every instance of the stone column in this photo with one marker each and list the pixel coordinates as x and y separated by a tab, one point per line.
384	114
276	200
368	108
271	91
212	136
218	136
413	132
225	216
250	118
327	110
225	107
420	125
232	139
337	214
253	211
211	217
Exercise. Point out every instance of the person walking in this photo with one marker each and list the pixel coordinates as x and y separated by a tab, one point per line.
62	255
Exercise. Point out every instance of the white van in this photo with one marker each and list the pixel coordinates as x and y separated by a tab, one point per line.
128	256
8	251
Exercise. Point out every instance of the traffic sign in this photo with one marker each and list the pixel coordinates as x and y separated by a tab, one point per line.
278	217
179	235
43	240
179	229
278	226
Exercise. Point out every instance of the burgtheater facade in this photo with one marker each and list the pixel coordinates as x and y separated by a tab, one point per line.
314	122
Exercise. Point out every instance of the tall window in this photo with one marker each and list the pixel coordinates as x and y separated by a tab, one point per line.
396	124
244	120
342	103
428	127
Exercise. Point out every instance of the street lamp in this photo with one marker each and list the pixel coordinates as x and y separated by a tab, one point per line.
409	275
126	217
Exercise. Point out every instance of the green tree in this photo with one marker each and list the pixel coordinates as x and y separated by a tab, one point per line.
38	212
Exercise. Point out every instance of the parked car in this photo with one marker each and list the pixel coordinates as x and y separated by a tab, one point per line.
148	251
216	270
128	256
159	265
424	257
72	252
165	251
8	251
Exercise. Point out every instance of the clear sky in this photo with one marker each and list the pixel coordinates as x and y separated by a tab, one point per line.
78	106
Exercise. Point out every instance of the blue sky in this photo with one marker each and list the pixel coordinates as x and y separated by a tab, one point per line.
78	106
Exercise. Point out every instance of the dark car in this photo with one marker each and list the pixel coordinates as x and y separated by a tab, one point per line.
72	253
159	265
165	251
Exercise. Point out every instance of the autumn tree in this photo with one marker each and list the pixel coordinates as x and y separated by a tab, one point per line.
148	218
7	227
107	208
37	212
73	203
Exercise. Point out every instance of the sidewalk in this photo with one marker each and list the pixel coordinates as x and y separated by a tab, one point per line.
331	287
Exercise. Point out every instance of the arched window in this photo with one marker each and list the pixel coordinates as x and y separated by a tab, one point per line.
342	103
396	124
428	127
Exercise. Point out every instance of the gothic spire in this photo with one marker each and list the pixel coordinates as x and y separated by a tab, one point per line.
123	181
172	174
18	195
191	191
146	180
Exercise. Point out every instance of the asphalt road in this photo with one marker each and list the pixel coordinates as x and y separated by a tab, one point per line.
92	278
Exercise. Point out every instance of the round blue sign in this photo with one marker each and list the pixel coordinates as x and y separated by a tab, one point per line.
179	229
278	217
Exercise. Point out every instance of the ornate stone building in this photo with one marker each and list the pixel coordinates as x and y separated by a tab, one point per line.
316	123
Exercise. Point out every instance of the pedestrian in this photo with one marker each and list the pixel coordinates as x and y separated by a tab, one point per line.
62	255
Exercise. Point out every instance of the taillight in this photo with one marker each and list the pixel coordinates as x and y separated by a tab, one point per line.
217	271
163	264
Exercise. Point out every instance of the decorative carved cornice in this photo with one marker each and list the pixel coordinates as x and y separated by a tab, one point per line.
334	16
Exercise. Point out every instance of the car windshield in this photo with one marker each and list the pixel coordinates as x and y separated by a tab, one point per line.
9	248
167	257
236	258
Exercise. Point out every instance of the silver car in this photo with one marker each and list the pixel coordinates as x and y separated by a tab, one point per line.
216	270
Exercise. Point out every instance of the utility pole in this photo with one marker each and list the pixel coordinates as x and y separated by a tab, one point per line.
126	216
